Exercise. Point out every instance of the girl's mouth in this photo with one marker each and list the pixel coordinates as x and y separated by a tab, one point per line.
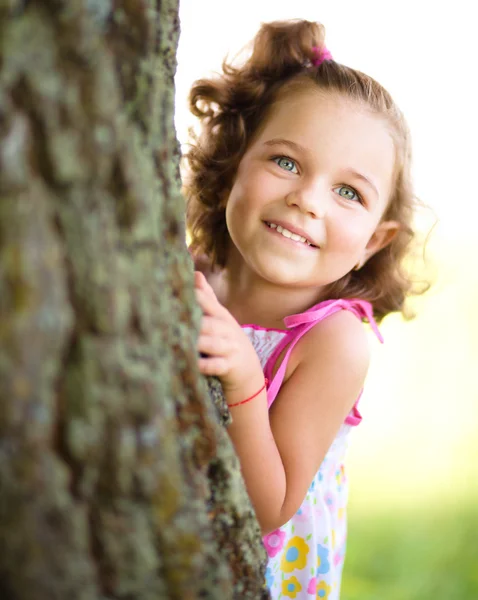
289	234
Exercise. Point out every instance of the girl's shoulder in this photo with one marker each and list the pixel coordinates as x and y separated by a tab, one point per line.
340	338
332	334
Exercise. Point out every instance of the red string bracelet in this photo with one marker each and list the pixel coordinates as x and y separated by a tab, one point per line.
266	381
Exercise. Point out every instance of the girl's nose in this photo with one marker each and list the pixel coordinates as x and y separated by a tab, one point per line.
310	200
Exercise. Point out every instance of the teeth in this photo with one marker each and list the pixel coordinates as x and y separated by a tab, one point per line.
288	234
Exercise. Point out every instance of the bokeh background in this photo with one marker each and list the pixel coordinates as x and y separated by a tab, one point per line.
414	492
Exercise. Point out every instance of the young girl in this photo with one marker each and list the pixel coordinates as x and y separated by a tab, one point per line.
299	211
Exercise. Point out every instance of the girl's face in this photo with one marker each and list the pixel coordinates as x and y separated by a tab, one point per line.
306	204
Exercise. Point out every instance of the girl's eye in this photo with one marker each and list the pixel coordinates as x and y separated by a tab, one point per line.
286	163
348	193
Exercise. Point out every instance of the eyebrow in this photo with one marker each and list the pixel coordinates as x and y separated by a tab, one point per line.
298	147
284	142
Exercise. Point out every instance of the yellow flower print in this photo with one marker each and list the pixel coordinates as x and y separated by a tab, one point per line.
295	555
323	590
291	587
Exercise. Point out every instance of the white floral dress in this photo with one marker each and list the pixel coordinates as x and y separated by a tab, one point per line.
306	554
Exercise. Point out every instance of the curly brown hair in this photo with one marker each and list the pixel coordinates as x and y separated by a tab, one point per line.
232	107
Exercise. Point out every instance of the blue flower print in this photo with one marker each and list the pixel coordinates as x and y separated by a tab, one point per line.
323	565
269	577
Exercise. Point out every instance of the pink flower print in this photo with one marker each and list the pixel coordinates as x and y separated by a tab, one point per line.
303	514
338	558
318	512
312	585
274	542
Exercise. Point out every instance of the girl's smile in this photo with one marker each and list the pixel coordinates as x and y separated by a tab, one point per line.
291	233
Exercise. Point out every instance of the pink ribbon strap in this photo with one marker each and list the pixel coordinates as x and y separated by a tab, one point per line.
361	308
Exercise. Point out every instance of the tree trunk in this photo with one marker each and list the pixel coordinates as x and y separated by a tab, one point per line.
117	477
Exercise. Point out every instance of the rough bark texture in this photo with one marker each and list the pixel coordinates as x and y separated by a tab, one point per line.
117	477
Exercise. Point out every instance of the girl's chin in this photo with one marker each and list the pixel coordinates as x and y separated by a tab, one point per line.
288	278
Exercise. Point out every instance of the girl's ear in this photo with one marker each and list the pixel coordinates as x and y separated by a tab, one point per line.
381	237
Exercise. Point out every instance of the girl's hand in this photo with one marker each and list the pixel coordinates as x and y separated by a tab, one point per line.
226	350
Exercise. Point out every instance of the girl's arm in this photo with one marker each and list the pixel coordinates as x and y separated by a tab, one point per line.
327	376
280	451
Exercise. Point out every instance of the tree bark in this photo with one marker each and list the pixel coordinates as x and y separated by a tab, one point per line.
117	477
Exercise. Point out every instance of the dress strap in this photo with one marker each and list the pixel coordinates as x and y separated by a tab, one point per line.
361	308
304	321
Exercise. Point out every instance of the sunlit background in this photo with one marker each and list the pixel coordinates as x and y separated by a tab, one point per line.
414	485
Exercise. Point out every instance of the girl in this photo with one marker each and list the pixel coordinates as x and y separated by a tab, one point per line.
299	211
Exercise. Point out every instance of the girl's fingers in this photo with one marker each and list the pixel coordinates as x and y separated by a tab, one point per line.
202	283
214	337
222	332
211	325
206	298
215	365
213	345
218	339
209	303
199	279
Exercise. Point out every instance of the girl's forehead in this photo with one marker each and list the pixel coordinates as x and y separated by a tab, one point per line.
314	108
316	118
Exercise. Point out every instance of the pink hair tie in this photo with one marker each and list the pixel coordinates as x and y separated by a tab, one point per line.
320	54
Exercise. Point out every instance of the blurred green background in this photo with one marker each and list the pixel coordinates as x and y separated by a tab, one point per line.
428	553
413	511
